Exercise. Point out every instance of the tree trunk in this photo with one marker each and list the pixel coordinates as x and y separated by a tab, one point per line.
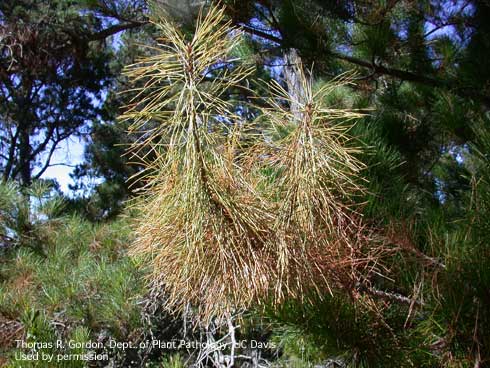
23	169
25	156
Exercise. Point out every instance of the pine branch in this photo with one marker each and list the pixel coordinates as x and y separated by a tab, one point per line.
404	75
392	297
110	31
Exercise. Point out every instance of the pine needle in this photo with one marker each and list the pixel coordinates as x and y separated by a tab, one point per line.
216	234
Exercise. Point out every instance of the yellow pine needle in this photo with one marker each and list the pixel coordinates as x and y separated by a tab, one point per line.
321	240
216	235
202	226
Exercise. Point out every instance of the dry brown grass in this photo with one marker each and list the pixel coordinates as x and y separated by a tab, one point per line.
217	233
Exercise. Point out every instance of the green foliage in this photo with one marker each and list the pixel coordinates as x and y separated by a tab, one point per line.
26	214
76	284
336	327
174	361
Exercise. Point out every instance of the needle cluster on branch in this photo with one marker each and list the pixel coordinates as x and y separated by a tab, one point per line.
222	226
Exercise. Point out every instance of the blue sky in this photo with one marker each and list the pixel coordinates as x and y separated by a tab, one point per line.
68	154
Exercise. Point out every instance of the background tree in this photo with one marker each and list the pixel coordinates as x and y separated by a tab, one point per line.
53	72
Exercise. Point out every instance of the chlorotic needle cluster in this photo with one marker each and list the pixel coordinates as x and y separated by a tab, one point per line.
225	226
